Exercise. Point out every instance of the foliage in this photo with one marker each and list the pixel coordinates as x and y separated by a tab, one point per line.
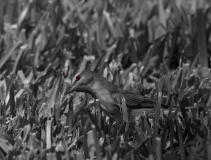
159	49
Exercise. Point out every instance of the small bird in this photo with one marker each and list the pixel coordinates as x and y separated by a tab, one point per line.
108	94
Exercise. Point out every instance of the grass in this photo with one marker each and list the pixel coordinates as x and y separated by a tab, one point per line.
159	49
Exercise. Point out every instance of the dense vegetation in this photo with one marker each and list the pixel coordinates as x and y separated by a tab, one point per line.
156	48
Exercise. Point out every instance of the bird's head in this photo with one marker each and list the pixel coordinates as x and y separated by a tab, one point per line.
81	82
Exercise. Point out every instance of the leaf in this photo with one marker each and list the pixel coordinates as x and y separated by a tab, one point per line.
12	100
100	32
57	48
208	148
175	36
122	104
48	134
97	47
176	79
158	148
146	60
98	156
99	114
109	24
24	14
1	17
182	104
84	127
167	83
15	67
93	121
10	53
194	62
162	14
171	134
90	144
18	142
26	131
115	143
208	104
201	38
49	103
132	125
70	115
130	69
95	65
182	89
178	14
157	113
182	150
147	127
198	131
133	47
5	146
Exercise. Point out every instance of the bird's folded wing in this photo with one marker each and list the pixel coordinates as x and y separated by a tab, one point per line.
135	101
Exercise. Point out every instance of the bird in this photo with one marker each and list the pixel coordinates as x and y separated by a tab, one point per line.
108	94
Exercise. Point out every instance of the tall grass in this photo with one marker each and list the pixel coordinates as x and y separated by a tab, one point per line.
159	49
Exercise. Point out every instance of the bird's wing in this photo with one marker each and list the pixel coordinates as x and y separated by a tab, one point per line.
134	101
137	101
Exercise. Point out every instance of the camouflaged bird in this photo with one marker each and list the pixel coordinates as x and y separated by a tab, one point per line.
108	95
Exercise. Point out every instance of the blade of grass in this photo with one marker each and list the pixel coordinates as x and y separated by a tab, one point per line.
4	145
182	150
90	144
123	107
116	143
50	102
162	14
58	47
26	131
208	148
85	147
10	53
93	121
132	125
133	46
48	134
157	112
99	111
146	60
171	134
109	24
97	47
158	148
24	14
1	17
3	112
67	156
15	67
178	14
12	101
167	83
70	115
96	143
81	106
174	43
201	38
130	69
175	81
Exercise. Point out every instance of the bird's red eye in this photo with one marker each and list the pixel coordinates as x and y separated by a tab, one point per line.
78	77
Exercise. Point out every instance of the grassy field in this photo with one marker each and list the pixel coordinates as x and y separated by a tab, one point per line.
157	48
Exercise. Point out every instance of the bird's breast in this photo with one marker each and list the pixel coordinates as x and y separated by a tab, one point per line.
105	96
102	93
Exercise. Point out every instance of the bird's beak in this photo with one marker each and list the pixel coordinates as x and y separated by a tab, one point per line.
69	89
